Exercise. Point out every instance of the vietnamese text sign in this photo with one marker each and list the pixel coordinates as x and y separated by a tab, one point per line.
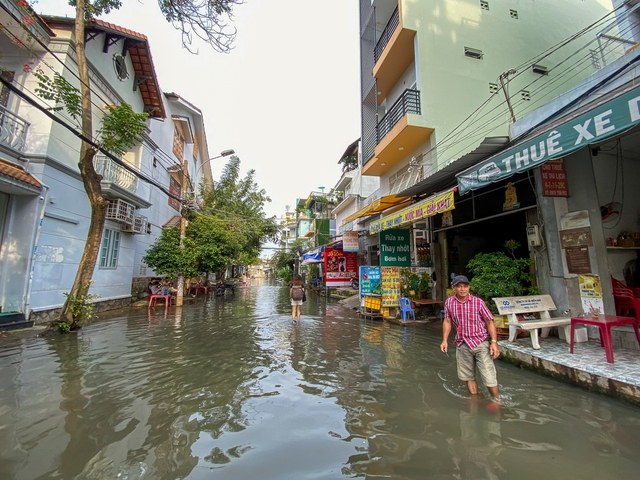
426	208
395	248
340	267
607	120
369	281
390	286
591	293
554	179
350	241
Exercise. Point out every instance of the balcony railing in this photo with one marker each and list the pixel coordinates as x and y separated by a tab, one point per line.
13	130
409	102
393	23
114	173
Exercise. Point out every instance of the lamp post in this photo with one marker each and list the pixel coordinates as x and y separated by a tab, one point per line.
183	221
224	153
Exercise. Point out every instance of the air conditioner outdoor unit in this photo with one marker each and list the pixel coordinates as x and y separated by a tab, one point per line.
140	224
121	211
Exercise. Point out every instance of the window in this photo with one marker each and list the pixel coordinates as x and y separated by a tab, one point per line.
473	53
484	5
514	14
4	90
178	143
109	248
540	69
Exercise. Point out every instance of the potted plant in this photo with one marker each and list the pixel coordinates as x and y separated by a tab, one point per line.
497	274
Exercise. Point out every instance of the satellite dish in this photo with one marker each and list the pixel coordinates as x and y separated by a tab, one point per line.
610	212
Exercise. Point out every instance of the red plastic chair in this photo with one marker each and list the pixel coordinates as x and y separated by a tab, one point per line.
624	300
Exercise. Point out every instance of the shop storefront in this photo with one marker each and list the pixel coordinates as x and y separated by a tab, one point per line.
584	168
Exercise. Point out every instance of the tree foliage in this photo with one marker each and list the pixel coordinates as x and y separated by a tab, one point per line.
240	202
230	228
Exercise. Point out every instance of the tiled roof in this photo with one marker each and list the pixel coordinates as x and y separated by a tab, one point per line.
140	53
16	172
143	66
172	222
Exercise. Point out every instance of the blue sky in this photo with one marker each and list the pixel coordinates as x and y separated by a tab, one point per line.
285	99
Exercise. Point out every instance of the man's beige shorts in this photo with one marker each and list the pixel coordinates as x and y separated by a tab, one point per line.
467	360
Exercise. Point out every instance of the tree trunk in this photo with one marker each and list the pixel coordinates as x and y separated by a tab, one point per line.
90	178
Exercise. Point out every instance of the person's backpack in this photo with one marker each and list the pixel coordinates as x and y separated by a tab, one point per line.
297	292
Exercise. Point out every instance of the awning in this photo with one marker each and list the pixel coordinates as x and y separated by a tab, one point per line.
313	256
445	177
600	123
377	206
15	180
438	203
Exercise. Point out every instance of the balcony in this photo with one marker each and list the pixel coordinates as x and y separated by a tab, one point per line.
119	183
393	53
399	132
13	130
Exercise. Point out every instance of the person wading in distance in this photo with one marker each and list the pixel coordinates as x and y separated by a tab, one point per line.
296	294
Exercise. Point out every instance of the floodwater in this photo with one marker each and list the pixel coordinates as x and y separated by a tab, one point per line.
230	389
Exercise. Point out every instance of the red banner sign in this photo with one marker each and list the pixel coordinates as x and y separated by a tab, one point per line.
554	180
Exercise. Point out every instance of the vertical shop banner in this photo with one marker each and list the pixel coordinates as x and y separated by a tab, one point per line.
554	179
395	248
340	267
591	294
390	286
369	281
350	241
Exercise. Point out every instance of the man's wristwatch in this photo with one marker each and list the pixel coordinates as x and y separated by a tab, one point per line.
494	341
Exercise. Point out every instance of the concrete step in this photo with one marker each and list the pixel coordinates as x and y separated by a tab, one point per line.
13	321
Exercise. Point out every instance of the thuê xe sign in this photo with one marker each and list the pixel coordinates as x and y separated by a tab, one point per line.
609	119
395	248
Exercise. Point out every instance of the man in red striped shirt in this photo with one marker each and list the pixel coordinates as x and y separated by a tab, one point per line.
476	337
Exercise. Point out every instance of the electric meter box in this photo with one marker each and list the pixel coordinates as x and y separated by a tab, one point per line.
533	236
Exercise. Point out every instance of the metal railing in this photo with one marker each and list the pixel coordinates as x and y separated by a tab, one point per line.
114	173
409	102
618	37
391	26
13	130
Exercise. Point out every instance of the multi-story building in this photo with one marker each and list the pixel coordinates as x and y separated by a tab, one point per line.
441	85
427	66
44	210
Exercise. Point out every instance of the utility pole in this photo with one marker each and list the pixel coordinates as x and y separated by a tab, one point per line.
502	78
183	231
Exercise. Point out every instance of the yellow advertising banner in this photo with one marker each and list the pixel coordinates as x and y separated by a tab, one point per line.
390	279
436	204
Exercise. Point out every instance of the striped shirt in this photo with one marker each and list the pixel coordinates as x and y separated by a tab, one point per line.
469	319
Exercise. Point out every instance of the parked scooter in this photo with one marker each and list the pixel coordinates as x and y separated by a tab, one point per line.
355	283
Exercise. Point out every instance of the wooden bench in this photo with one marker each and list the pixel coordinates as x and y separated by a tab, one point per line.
532	304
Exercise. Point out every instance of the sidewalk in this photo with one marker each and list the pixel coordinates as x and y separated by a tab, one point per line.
587	367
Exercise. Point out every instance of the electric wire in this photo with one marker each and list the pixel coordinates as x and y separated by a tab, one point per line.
527	64
114	158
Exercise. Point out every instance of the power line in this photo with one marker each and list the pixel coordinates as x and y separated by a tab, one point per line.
115	159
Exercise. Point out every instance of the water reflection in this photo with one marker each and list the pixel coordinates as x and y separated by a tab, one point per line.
228	387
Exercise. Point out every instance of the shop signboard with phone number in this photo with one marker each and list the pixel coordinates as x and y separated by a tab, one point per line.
340	267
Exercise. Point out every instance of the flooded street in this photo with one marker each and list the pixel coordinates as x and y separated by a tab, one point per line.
230	389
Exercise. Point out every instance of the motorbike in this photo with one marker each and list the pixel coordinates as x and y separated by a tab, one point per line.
355	283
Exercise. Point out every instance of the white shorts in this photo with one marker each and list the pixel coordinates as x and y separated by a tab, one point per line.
295	302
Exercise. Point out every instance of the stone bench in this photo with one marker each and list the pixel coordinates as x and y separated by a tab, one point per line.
532	304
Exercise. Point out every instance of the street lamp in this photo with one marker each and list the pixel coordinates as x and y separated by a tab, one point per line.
224	153
183	221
